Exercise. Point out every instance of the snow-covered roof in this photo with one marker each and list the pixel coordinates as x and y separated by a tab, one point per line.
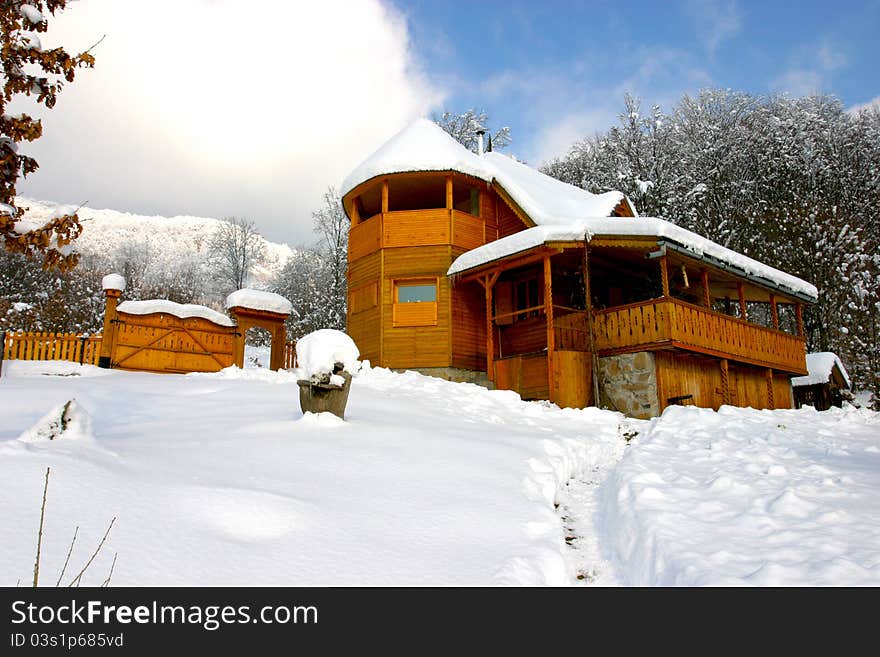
544	198
259	300
425	146
643	227
819	367
421	146
181	310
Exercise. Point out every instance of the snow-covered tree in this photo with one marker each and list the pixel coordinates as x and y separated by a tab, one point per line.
30	70
233	251
314	279
464	126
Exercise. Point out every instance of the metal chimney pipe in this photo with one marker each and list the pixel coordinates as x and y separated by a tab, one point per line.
480	133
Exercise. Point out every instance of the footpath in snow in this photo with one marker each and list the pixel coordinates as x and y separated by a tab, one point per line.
218	479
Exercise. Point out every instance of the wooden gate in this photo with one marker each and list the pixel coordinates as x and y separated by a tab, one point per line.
161	342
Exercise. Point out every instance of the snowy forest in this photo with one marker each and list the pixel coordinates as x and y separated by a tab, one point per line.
789	181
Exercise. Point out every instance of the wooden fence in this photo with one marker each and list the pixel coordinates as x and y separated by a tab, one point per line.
289	355
77	348
52	346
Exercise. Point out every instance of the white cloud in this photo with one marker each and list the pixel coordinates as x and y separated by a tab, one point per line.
811	70
715	20
221	107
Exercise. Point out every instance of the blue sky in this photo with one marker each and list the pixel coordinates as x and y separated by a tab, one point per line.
555	70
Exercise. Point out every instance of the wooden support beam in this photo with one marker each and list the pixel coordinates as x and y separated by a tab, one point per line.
448	192
548	312
384	196
774	311
591	329
488	282
704	279
355	211
664	275
768	374
740	290
725	382
799	314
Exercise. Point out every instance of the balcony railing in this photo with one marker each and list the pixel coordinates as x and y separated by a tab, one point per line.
671	322
415	228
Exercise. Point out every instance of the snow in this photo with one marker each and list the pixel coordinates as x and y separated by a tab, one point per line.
113	282
319	351
546	200
421	146
181	310
168	241
819	367
218	479
21	306
31	40
641	226
31	13
746	497
7	209
425	146
427	483
259	300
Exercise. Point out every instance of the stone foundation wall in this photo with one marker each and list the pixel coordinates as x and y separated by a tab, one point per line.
628	383
455	374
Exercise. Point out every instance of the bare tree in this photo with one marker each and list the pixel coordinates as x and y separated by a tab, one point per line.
235	248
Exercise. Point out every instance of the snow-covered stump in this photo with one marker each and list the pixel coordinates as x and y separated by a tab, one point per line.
326	360
323	396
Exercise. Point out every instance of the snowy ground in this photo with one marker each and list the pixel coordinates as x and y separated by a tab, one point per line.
748	497
219	479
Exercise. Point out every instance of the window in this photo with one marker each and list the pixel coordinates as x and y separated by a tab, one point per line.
415	302
416	292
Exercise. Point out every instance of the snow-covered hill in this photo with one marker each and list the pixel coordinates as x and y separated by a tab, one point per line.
173	239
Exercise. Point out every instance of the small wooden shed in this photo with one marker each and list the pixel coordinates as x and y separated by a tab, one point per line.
827	384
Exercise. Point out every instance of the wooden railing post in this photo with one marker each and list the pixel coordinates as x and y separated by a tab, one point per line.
799	315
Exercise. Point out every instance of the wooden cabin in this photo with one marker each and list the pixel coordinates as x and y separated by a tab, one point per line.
826	384
478	267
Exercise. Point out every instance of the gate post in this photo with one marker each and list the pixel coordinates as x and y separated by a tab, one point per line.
113	285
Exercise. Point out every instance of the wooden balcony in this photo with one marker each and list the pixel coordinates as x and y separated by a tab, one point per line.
672	323
415	228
